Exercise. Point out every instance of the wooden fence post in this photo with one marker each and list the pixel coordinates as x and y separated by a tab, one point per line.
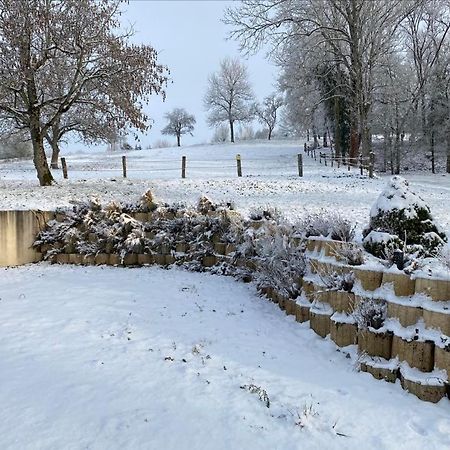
183	167
325	159
371	164
64	168
300	165
239	165
124	166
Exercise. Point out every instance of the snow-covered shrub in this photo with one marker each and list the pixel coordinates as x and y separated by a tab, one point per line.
147	202
370	312
341	229
316	224
281	262
351	254
336	280
205	205
327	224
267	213
400	218
444	257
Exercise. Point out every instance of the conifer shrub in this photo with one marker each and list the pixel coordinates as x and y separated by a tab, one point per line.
400	219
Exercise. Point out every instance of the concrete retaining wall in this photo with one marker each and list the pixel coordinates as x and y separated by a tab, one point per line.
18	230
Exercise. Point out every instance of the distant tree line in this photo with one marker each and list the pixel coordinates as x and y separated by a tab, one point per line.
354	68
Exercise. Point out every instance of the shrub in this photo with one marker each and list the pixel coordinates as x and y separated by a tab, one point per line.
281	262
337	280
327	224
351	254
399	215
370	312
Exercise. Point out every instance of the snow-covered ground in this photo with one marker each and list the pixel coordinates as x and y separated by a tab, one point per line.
113	358
269	178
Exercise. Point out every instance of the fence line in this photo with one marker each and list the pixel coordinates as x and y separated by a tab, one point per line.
363	163
241	166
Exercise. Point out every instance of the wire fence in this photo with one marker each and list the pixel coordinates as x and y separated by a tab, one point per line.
184	167
330	158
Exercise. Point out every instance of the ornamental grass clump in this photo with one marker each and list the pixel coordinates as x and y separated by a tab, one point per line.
400	219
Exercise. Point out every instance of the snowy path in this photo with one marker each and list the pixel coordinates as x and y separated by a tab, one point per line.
111	358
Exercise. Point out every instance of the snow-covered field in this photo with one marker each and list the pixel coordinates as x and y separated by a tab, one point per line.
270	178
111	358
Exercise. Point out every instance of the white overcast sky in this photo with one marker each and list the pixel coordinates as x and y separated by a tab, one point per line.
191	41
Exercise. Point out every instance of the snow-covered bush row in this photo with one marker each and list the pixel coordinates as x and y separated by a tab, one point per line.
90	229
188	234
400	219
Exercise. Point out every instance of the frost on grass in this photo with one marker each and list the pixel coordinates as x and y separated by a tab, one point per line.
400	219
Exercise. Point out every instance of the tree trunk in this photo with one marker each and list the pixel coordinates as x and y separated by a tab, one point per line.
40	160
231	131
366	140
178	140
325	140
386	145
397	152
55	154
307	134
270	134
354	146
448	149
433	159
315	139
337	128
448	138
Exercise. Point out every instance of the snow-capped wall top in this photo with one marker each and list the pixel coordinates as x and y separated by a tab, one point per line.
398	196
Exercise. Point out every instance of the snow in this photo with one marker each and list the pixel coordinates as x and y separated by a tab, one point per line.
397	195
269	178
379	237
434	378
341	317
114	358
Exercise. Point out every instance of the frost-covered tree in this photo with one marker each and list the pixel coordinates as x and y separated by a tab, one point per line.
267	112
55	54
356	34
229	95
179	122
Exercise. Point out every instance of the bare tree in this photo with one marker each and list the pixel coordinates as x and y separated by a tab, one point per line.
229	95
267	112
55	54
356	34
90	124
180	122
